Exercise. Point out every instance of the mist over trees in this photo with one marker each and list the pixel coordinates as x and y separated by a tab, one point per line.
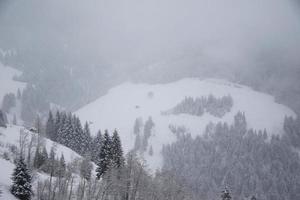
247	161
71	52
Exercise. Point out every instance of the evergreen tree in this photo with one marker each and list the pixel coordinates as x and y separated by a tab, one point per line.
65	132
21	187
76	142
9	101
96	147
50	127
104	156
116	151
38	124
57	125
61	167
2	119
86	168
147	132
86	139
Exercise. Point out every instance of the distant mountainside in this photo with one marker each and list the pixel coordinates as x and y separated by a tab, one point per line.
138	112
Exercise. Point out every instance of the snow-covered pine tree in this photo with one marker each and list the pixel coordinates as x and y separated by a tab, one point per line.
76	142
104	156
50	127
147	132
87	139
61	167
21	187
86	168
96	147
65	133
57	125
116	150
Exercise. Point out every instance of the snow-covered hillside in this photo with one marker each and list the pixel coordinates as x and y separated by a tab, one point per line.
7	84
125	103
10	136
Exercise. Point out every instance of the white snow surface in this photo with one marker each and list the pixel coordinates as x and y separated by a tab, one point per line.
120	107
11	136
6	171
7	84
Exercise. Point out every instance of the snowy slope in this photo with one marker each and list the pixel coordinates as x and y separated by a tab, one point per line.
124	103
11	135
7	84
5	181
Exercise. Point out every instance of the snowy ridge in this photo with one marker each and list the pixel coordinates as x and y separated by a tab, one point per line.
125	103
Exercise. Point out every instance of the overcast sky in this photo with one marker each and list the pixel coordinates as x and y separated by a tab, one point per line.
141	31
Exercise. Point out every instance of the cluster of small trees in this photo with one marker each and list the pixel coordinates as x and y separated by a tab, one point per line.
67	130
110	155
217	107
9	101
292	129
142	134
33	102
248	161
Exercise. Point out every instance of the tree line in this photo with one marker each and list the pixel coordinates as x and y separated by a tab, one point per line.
217	107
250	162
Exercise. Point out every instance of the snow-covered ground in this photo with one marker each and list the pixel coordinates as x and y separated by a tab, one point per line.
123	104
11	136
6	168
7	84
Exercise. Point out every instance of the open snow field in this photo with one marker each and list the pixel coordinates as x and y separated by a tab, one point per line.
120	107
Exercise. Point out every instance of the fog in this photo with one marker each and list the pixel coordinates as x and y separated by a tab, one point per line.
140	32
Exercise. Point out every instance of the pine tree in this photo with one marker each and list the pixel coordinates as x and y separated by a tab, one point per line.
86	139
50	127
147	132
38	124
116	150
96	147
86	168
62	167
66	131
21	178
57	125
104	156
76	142
2	119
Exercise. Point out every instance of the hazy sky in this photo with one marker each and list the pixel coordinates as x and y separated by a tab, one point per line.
142	31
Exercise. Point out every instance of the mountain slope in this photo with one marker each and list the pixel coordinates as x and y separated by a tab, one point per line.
125	103
7	84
